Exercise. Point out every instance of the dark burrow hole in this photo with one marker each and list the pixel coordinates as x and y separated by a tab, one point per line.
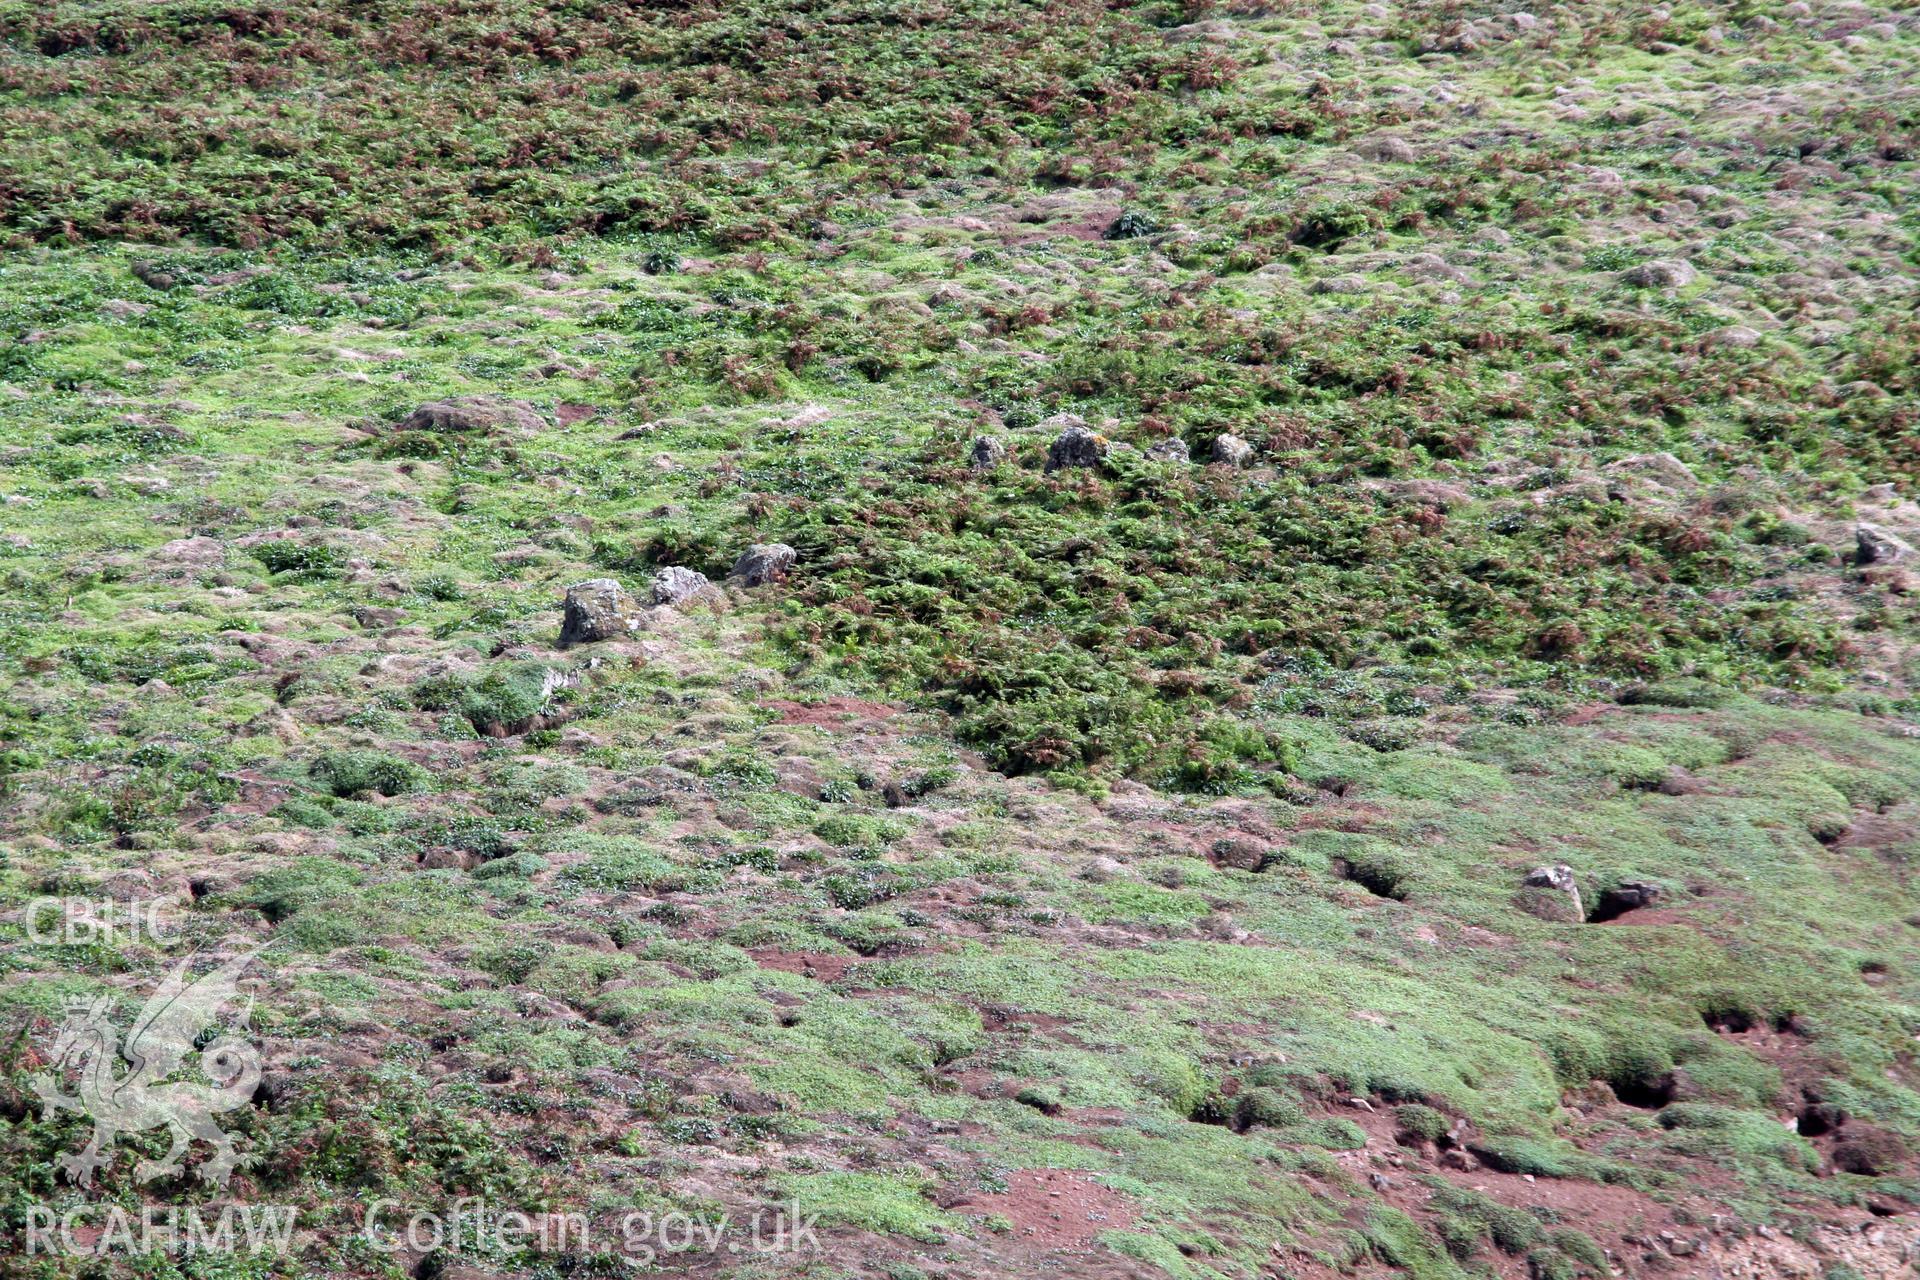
1621	899
1213	1109
1817	1118
1378	879
1731	1021
1648	1095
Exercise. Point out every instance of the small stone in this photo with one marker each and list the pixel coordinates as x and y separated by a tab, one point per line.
1879	545
763	563
598	609
1233	451
1174	450
988	452
673	585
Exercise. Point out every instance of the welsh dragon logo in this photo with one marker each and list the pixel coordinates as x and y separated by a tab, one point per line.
171	1025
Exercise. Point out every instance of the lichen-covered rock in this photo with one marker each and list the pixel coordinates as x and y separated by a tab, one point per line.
763	563
1878	545
1232	450
987	453
1660	468
674	585
1735	336
1212	31
1662	273
1076	447
1552	893
1174	450
598	609
479	415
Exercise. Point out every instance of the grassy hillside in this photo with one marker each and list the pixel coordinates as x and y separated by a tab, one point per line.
1112	868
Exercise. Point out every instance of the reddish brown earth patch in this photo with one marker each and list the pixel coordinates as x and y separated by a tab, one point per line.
1090	225
1054	1209
821	966
1879	832
997	1018
831	713
568	414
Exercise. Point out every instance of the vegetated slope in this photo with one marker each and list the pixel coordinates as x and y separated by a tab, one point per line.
1569	348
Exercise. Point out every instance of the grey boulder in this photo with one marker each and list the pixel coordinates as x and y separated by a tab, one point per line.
987	453
1076	447
1880	545
675	585
598	609
1233	451
762	563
